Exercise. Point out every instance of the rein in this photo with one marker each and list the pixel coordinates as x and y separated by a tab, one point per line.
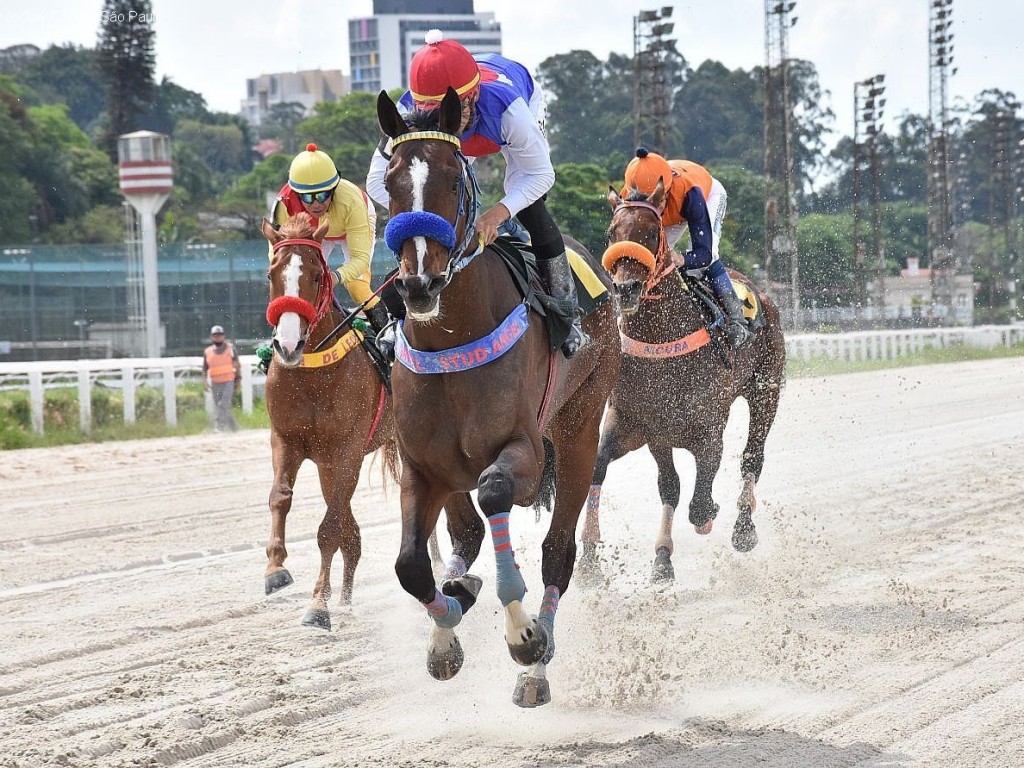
311	313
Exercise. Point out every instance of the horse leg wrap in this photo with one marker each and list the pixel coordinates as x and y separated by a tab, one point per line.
511	586
444	610
548	609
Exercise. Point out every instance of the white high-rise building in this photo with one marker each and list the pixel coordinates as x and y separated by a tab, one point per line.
382	46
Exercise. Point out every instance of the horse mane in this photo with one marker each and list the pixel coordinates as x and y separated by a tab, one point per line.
423	119
636	195
299	225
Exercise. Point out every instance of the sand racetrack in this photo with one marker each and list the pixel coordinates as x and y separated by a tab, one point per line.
880	621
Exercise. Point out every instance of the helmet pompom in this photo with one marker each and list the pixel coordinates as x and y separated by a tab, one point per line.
433	36
642	152
311	147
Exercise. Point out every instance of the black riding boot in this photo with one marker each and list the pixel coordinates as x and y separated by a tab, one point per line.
736	331
380	321
557	274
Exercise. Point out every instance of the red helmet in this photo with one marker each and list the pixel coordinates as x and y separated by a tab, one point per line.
439	65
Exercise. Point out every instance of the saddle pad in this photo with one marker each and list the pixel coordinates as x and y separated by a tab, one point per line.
522	265
751	306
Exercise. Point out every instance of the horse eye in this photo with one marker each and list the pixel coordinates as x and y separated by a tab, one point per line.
269	277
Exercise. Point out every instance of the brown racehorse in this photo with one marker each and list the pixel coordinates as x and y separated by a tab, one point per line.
678	380
488	416
330	407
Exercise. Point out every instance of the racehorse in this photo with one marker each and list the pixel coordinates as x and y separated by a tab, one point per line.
496	416
678	380
329	406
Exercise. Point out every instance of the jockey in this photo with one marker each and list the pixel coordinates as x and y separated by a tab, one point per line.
696	200
501	110
315	187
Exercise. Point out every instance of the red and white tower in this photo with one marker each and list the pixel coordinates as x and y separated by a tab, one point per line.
144	167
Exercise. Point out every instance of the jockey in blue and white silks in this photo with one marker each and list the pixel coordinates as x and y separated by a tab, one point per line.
502	113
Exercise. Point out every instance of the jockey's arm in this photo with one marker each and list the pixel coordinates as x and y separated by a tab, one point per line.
375	176
348	214
529	174
698	220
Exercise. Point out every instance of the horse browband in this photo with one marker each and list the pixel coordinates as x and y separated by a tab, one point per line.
439	135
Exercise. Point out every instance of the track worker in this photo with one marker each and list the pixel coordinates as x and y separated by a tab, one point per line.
223	375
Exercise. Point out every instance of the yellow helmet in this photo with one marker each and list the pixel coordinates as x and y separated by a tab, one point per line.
312	171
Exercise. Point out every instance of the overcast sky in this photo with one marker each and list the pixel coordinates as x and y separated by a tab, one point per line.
213	47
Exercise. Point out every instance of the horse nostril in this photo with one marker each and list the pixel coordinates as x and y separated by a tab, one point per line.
435	285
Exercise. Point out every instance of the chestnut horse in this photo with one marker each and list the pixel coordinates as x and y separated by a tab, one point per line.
330	407
482	416
678	380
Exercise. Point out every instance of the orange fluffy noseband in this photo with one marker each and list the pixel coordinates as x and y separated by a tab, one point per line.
627	249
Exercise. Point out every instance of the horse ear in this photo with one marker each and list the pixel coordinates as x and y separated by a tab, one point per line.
613	197
658	195
321	231
391	121
450	120
269	232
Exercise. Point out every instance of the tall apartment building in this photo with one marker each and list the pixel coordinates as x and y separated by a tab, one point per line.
382	46
307	88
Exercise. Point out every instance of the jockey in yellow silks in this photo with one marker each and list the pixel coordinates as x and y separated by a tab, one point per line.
314	186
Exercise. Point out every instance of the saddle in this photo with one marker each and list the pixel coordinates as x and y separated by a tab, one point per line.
522	265
744	292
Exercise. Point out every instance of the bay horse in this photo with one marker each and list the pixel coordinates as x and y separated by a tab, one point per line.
678	380
329	406
497	416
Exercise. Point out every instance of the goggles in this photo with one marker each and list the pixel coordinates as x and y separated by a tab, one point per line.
316	197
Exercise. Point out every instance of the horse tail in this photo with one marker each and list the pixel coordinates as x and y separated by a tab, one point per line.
391	466
546	490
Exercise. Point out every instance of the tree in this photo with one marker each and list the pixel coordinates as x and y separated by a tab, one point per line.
579	203
347	130
281	123
68	75
126	64
590	115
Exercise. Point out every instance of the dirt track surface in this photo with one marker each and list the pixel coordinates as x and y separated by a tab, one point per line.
880	621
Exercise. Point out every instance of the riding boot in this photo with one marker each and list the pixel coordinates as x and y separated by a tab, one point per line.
383	328
557	274
736	331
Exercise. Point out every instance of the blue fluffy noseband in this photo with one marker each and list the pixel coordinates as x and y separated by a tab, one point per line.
418	224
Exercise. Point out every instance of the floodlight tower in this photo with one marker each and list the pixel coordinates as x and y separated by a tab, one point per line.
781	260
652	86
868	108
144	168
940	189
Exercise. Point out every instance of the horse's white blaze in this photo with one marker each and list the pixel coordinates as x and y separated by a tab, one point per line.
289	327
419	170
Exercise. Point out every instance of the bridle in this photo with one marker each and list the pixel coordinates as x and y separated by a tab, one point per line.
664	264
410	224
305	309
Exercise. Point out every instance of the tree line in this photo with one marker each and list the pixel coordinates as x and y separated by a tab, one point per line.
61	110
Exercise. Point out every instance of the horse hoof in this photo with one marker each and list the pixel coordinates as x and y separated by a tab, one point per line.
663	572
529	653
744	534
444	665
531	691
705	529
588	568
316	617
464	589
272	582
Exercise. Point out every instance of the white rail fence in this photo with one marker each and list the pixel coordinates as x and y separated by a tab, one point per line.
166	373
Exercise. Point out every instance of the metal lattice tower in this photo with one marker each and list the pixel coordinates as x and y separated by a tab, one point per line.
652	91
940	183
782	264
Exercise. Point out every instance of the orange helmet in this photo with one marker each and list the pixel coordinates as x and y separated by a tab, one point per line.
439	65
645	169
